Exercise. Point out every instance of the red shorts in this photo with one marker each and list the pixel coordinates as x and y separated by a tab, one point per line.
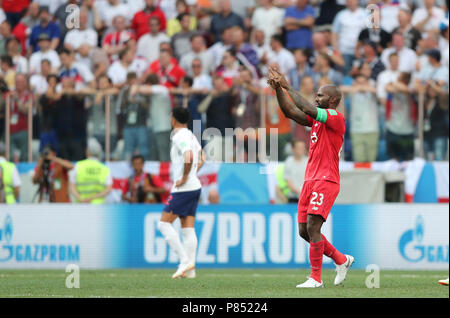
317	197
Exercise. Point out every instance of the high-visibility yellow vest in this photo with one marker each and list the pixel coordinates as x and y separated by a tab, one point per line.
91	179
7	169
282	183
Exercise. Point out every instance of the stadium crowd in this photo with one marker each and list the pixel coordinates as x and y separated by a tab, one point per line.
95	68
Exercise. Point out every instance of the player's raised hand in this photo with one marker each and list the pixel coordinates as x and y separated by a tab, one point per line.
279	77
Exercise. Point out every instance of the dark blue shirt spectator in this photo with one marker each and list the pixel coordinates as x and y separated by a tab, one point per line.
45	26
299	21
224	19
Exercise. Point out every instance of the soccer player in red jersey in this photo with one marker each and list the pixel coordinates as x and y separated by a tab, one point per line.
321	185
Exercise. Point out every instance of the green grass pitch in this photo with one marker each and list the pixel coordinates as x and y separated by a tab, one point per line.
218	283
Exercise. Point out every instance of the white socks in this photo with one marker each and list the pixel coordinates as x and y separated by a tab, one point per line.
172	238
190	242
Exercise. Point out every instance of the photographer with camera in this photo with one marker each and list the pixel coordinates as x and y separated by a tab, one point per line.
51	174
143	187
9	179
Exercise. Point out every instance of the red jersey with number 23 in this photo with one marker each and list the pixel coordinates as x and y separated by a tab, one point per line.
327	137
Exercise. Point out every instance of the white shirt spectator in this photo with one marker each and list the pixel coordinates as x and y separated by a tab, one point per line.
420	14
348	25
217	51
38	84
284	59
204	56
108	12
268	20
406	59
118	73
37	57
21	64
76	37
436	74
385	77
148	46
389	20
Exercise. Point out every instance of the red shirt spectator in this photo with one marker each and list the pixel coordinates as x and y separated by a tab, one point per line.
15	6
168	71
140	20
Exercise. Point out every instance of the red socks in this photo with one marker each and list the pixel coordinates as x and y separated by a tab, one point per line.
330	251
315	258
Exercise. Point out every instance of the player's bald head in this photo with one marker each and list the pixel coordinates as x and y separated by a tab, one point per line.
334	94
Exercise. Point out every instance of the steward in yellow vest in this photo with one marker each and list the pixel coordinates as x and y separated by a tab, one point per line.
9	180
90	180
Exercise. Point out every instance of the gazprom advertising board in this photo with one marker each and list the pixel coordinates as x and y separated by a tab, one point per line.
394	236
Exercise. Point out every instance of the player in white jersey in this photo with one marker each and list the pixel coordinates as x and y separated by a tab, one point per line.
186	158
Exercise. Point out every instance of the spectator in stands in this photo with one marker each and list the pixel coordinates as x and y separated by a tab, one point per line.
81	74
140	22
46	26
5	34
159	116
229	69
268	19
118	71
9	179
143	187
45	53
71	122
244	51
13	49
181	41
364	125
401	116
409	32
299	21
94	21
115	41
148	44
97	114
347	26
433	82
302	68
294	169
218	49
389	10
389	75
38	81
134	110
322	68
370	57
48	105
428	17
198	50
280	55
328	9
167	70
375	34
248	116
7	71
84	34
321	45
220	108
30	20
261	48
407	57
94	58
430	41
12	10
114	8
225	18
52	175
174	25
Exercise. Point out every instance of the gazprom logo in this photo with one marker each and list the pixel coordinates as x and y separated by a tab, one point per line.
33	252
413	250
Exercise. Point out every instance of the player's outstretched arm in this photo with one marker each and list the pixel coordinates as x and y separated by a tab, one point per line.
289	109
300	102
